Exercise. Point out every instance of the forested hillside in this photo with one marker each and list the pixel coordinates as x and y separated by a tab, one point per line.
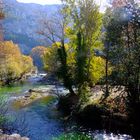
23	21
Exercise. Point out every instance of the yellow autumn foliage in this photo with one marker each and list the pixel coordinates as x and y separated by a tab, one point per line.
37	54
51	63
13	64
97	69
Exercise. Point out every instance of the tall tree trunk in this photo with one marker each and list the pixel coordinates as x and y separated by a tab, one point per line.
106	79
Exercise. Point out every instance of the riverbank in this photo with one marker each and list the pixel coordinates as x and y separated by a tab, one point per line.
42	119
110	114
13	137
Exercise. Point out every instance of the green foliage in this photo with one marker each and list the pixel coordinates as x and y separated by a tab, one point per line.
84	93
84	38
63	71
73	136
58	60
76	64
123	38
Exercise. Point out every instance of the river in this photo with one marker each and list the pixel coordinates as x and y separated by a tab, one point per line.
41	120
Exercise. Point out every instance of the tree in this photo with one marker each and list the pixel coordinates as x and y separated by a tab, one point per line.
87	21
50	58
37	55
13	65
54	30
107	51
123	34
80	26
27	64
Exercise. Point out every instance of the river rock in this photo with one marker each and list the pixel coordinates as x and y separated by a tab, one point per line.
15	135
1	131
12	137
25	138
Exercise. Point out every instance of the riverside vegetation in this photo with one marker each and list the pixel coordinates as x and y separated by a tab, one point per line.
95	56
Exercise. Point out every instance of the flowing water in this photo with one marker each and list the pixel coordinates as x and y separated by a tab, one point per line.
41	120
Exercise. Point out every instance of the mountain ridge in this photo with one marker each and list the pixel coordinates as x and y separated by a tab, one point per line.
23	22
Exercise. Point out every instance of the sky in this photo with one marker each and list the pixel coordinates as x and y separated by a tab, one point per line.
43	2
102	3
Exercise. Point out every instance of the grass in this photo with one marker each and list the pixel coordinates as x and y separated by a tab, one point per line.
74	136
8	89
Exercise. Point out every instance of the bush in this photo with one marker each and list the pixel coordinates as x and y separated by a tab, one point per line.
67	103
91	116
